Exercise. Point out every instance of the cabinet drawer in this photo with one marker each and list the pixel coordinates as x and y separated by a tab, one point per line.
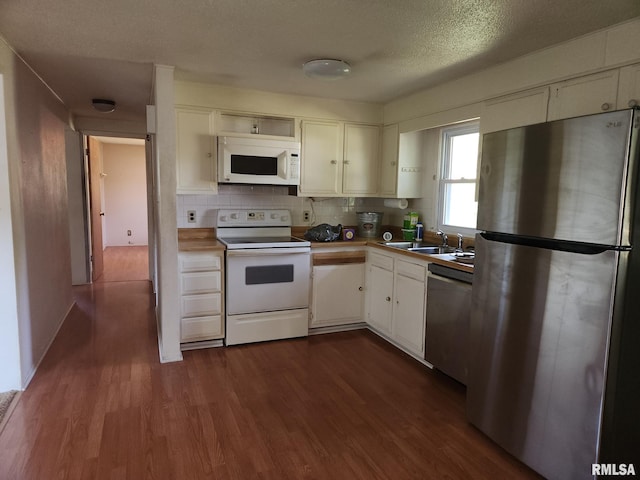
199	261
201	328
381	261
410	270
199	305
200	282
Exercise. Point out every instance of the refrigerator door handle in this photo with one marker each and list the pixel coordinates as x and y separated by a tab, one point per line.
553	244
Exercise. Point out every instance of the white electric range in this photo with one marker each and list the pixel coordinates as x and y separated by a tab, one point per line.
267	276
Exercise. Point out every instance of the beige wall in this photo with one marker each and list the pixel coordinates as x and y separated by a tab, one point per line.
36	122
125	194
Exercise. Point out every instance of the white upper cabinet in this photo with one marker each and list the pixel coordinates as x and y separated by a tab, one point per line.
361	159
339	159
400	164
584	95
321	163
517	110
195	152
255	125
629	87
389	161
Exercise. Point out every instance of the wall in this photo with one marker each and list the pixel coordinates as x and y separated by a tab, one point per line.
125	194
36	122
323	210
166	233
266	103
77	201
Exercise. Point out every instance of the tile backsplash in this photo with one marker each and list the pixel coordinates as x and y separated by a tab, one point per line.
323	210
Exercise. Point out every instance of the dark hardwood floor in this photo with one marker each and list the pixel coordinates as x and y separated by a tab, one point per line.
336	406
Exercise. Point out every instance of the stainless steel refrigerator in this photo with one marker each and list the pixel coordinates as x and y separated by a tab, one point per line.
554	368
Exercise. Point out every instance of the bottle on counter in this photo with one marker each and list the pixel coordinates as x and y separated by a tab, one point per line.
419	232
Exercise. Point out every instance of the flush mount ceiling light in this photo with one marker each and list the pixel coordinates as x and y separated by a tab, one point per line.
326	69
103	106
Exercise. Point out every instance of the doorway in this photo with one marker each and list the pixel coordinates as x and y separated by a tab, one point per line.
118	213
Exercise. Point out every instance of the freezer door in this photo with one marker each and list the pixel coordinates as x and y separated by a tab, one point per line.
538	340
562	180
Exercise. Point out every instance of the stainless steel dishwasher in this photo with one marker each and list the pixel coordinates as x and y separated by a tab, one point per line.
448	309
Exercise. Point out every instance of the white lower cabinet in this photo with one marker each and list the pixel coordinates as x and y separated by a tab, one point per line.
396	292
201	296
337	284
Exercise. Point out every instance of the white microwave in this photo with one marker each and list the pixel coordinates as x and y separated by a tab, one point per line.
258	161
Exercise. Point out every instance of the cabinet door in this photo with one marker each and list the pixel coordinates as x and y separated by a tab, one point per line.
380	292
200	282
361	159
389	161
321	162
201	304
629	87
201	328
337	294
584	95
409	315
518	110
195	152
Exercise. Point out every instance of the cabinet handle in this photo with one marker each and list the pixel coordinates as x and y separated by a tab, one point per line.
605	106
360	288
388	299
393	164
346	162
632	103
333	162
209	155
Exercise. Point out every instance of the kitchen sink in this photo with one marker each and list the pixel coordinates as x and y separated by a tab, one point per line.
432	249
420	247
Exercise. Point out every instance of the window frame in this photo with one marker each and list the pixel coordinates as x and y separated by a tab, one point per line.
446	133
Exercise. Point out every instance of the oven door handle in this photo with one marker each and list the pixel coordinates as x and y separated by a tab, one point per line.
252	252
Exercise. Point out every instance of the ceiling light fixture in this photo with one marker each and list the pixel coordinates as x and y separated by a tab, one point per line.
103	106
326	69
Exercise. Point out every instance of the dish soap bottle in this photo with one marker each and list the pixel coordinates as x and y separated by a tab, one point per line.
419	232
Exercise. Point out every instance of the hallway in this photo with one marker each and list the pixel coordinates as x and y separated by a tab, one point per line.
336	406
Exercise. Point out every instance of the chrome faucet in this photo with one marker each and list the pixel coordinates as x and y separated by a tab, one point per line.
459	249
444	237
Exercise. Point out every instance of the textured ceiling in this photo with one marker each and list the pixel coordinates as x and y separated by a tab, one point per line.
94	48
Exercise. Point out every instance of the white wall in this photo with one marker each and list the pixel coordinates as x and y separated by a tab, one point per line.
9	337
35	125
168	308
77	200
125	194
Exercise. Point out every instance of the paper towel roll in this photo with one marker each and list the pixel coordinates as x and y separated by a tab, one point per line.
396	202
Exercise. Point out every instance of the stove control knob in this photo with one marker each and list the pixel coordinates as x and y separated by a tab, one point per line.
284	218
223	218
274	216
234	216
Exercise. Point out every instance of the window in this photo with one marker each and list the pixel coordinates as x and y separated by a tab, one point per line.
457	204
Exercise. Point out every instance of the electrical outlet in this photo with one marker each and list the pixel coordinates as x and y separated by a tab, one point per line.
306	215
128	233
191	216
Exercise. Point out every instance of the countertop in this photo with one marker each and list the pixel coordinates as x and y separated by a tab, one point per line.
198	240
204	239
444	259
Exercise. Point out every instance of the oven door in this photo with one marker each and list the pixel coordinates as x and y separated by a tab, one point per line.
267	279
